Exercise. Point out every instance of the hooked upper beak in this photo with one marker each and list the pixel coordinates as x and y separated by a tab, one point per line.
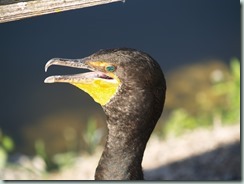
77	78
74	63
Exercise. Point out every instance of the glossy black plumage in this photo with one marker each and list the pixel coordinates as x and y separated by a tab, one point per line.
131	114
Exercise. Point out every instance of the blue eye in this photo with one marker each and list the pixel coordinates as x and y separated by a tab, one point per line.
110	68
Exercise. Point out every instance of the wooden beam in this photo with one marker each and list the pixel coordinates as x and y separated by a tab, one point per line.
12	10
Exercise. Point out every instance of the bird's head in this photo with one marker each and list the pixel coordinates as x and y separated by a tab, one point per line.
109	71
130	86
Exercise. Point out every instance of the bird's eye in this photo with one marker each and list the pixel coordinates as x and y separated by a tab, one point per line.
110	68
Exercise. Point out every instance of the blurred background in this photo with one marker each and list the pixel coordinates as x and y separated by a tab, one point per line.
45	129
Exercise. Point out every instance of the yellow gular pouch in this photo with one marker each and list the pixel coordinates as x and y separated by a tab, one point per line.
99	89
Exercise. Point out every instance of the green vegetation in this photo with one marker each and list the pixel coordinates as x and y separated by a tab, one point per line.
217	104
41	152
231	90
6	146
91	136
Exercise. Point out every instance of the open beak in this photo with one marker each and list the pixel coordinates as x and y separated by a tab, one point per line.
101	86
77	78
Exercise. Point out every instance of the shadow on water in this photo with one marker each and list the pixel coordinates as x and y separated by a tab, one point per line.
223	163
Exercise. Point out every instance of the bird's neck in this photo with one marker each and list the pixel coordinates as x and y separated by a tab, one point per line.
121	158
130	121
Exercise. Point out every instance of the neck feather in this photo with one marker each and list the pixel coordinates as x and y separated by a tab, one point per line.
122	157
131	120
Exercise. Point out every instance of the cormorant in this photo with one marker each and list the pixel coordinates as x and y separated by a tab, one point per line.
130	86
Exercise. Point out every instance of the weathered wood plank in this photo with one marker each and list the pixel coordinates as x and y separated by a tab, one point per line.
20	10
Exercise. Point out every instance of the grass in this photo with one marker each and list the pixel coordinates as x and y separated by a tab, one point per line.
6	146
227	111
